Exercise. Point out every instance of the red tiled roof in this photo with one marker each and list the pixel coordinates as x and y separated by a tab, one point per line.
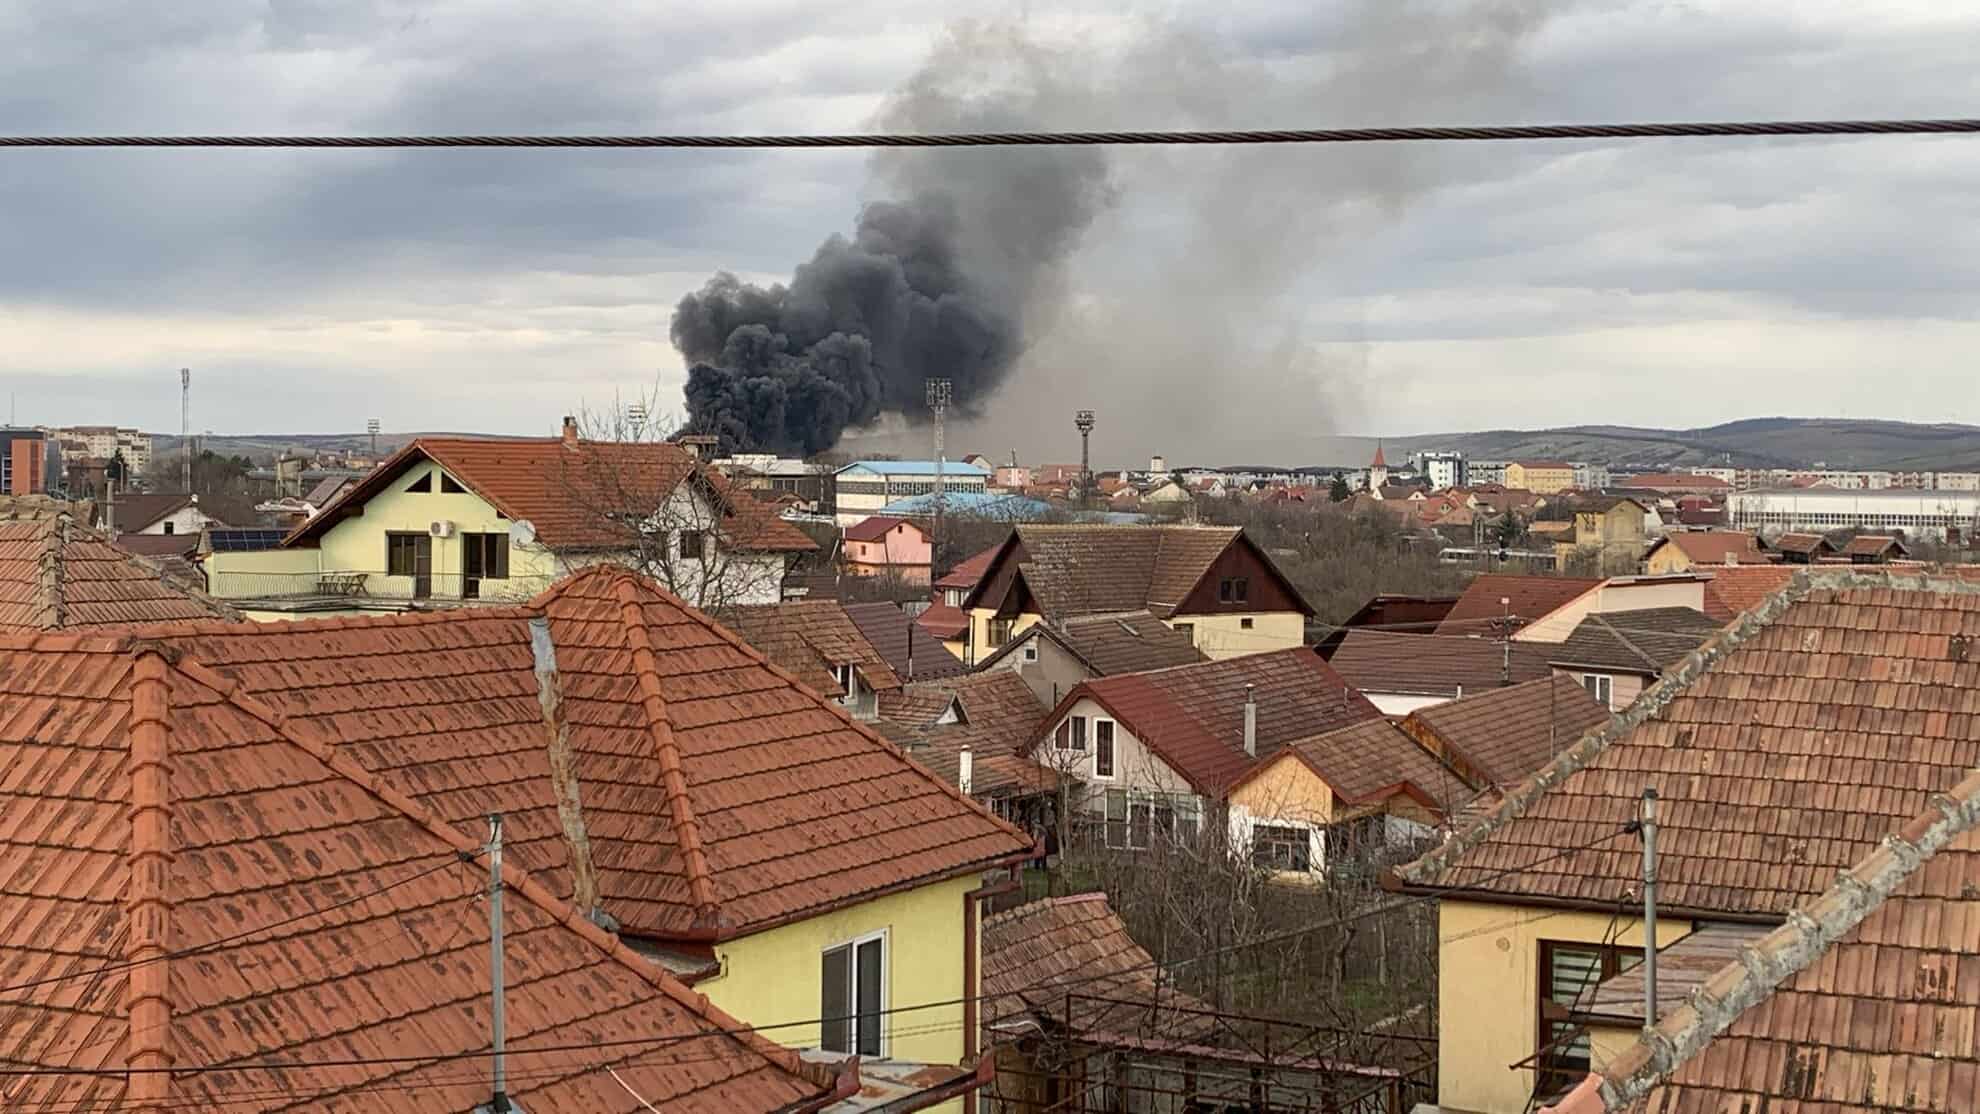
719	795
1713	547
1001	716
875	528
1803	543
1128	642
1035	954
945	623
157	545
160	818
1088	569
135	511
1737	589
966	574
1872	545
907	646
1533	598
810	638
1371	761
1433	664
1192	716
1783	751
566	490
1502	735
1673	481
55	576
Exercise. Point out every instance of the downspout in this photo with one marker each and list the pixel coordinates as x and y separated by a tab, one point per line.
148	1001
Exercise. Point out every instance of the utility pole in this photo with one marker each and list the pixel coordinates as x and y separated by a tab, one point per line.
1505	641
939	393
1083	421
185	423
1649	909
500	1103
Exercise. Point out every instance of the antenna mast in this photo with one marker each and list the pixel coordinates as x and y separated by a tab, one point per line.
1083	421
185	424
939	391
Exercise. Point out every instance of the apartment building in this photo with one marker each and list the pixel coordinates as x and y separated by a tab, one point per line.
102	442
23	459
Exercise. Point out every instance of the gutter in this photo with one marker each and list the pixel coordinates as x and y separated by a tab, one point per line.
1391	883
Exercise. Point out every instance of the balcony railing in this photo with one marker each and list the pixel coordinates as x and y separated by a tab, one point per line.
357	586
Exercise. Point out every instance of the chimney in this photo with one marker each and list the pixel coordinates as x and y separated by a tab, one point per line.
1250	723
965	768
700	446
570	430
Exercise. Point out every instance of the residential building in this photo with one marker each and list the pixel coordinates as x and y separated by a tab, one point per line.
1589	476
56	574
910	651
1211	583
1487	473
1689	550
1874	549
945	618
103	442
1498	737
1617	594
1616	656
1167	492
869	487
1390	611
1496	602
767	476
1811	699
1675	483
1011	477
1609	535
453	520
1803	549
163	513
231	859
817	642
890	549
1541	477
1400	672
1944	515
1734	590
23	462
1053	657
1444	469
1156	754
701	805
971	731
291	512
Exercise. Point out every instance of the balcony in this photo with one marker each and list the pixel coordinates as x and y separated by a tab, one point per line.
344	590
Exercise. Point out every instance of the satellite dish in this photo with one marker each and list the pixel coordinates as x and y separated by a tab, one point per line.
522	532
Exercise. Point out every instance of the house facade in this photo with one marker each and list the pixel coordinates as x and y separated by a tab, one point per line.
892	549
1541	477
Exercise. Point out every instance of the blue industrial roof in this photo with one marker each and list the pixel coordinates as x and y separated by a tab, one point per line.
914	468
984	504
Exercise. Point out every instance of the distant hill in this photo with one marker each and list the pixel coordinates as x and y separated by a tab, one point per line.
1843	443
266	446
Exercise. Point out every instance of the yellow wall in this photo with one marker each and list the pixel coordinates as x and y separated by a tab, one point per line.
1540	481
773	976
1286	790
1223	635
1667	559
979	626
358	543
1488	993
1610	598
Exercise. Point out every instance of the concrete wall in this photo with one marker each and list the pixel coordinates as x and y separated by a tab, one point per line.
1224	636
1488	993
1285	794
1052	676
1136	768
1609	598
1624	688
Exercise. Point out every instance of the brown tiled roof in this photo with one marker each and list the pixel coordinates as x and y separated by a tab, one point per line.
915	706
1713	547
171	838
1644	642
719	795
1872	545
1533	598
563	489
49	583
1038	953
135	511
1803	543
903	642
1783	751
943	622
809	638
876	527
1501	736
1088	570
1372	761
966	574
1000	716
1128	642
1192	716
1863	1002
1738	589
158	545
1673	481
1436	664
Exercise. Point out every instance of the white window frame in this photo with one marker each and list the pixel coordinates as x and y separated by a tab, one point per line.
1603	688
1030	651
1113	748
852	970
847	681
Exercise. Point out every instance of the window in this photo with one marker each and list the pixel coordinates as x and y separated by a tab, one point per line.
1233	589
1187	630
1244	623
401	554
1600	686
1000	631
423	483
844	675
1103	748
451	486
1277	847
1078	732
691	544
170	527
1135	821
1031	651
483	557
853	988
1567	970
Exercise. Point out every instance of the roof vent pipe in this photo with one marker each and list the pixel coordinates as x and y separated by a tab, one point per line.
1250	722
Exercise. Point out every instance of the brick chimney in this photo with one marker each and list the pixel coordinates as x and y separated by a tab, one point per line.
570	430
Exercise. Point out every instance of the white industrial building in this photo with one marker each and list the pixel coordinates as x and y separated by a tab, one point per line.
868	485
1946	515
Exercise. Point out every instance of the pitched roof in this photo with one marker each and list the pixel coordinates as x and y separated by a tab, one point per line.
1089	569
1127	642
943	622
1001	715
1644	642
916	705
1716	547
1192	716
1501	736
1863	1002
875	527
1433	664
810	638
137	510
327	489
200	880
1673	481
1803	543
1372	760
1737	589
57	576
911	650
1849	696
158	545
1037	953
719	795
1872	545
1532	598
567	491
915	468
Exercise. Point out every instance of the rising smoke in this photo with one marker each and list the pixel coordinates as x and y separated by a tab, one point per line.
1188	273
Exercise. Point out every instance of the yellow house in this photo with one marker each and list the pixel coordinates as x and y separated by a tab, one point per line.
1211	583
453	520
721	818
1608	532
1540	902
1703	550
1541	477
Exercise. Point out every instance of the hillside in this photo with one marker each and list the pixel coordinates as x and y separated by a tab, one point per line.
1750	442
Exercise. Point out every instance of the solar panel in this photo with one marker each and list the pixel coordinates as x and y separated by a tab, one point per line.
243	541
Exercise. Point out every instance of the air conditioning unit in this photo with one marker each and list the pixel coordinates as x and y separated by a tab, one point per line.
441	529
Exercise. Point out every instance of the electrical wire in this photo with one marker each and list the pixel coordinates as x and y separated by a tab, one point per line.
1497	132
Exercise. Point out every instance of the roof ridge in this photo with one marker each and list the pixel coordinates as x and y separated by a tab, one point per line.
1626	643
1764	964
680	809
514	876
53	591
148	944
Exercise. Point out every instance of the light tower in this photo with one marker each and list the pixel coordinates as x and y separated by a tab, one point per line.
939	392
1083	421
371	427
636	419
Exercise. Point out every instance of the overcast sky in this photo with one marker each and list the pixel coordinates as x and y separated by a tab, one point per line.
1674	282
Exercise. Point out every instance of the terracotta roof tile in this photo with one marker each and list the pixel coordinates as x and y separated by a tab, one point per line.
810	638
137	510
1532	598
1437	664
1783	751
874	528
1807	544
943	622
1503	735
966	574
1373	760
1734	591
1644	642
265	825
1872	545
1717	547
59	576
1001	716
911	650
1090	570
1192	716
1125	642
1035	954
